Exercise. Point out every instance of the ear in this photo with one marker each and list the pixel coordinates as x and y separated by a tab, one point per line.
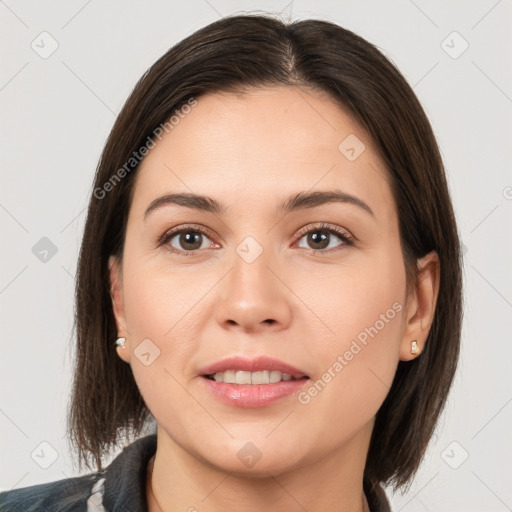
117	295
421	305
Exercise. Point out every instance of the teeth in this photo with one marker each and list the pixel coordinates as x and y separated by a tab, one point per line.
255	378
242	377
275	376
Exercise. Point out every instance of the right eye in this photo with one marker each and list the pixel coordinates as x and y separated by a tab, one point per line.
185	241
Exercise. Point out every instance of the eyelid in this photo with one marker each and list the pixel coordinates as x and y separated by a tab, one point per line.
178	229
323	226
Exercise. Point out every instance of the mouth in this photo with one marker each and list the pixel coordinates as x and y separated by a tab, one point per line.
252	383
259	370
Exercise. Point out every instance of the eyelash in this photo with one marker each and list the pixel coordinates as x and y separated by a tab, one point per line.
342	234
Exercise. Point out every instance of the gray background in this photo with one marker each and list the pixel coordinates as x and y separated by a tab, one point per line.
57	112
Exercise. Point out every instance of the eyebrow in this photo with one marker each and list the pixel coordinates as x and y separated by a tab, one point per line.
299	201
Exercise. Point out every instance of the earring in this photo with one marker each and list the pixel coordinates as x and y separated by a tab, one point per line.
414	347
120	342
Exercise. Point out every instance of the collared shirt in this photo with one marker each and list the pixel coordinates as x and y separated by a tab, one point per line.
120	487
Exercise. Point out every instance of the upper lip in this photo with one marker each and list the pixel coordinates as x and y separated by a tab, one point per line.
251	365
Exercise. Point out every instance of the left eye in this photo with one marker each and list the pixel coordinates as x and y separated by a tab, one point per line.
321	237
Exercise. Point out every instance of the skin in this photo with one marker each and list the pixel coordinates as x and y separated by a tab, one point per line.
251	152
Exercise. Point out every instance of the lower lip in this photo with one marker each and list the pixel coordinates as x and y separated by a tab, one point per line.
253	395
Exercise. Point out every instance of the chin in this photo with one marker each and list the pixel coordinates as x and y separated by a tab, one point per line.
254	460
261	469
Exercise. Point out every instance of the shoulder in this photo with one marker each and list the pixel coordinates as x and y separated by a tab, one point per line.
118	488
66	495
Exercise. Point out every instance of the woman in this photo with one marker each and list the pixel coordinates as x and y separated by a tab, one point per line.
270	270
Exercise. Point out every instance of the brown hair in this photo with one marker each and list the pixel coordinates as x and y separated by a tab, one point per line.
230	55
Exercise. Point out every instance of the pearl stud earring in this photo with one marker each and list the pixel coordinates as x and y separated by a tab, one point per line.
120	342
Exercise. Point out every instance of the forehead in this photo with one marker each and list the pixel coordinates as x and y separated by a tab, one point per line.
262	143
263	123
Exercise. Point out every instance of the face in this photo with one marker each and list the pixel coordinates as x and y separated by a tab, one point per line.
319	285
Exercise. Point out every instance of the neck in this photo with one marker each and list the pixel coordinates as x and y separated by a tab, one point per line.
178	481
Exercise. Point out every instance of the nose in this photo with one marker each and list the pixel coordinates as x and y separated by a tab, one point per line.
253	296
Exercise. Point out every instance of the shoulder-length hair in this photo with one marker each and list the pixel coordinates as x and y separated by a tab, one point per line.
230	55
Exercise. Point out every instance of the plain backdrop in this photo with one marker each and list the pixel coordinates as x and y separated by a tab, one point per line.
67	67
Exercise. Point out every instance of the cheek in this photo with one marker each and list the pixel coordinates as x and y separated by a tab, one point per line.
347	301
159	302
162	331
161	308
361	310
